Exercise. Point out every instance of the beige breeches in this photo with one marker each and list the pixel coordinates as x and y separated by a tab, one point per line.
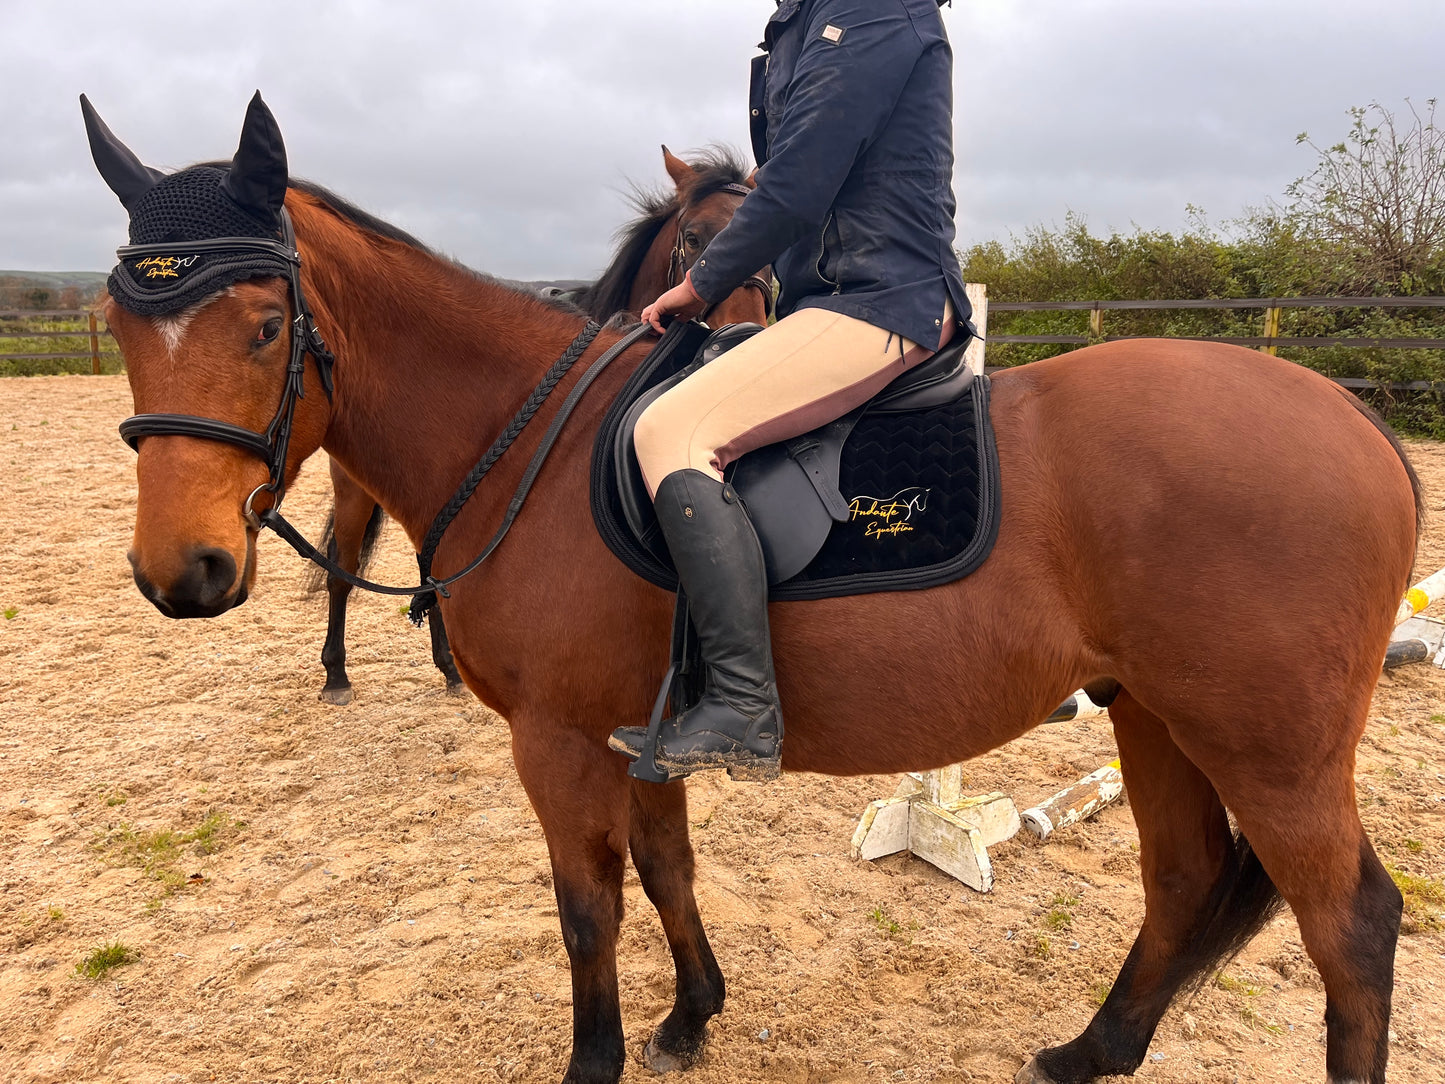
810	367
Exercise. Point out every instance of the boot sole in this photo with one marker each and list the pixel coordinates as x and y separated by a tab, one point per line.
744	770
761	771
753	770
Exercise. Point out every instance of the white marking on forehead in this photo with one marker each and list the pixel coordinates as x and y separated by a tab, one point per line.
172	329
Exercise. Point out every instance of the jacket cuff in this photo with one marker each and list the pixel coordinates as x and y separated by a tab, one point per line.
708	290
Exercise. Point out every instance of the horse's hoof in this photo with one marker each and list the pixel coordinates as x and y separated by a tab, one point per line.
1032	1074
660	1061
339	697
457	688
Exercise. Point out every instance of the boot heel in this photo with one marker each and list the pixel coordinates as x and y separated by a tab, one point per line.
759	771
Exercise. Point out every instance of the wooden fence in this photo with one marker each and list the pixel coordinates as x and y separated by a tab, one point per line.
1269	342
90	328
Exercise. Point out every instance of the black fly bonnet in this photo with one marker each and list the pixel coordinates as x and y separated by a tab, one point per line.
194	233
181	208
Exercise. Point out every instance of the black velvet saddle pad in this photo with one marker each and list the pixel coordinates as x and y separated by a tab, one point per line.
921	490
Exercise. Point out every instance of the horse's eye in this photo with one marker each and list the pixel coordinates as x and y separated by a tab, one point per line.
269	330
691	240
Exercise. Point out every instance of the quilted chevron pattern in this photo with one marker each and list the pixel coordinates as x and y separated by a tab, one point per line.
913	485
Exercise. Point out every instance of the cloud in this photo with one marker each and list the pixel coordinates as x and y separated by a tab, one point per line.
507	134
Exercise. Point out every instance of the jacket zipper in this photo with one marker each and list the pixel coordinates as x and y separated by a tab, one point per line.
822	252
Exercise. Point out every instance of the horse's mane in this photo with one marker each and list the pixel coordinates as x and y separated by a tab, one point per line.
716	168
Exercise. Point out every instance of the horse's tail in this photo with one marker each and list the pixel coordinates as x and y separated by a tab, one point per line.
1244	899
1379	423
316	577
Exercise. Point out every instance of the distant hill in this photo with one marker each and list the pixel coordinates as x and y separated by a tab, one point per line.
56	279
50	289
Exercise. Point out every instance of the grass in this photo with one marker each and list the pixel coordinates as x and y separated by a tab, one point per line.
1236	986
1254	1020
890	927
1247	1012
156	853
1042	948
76	341
1060	918
1424	899
1100	991
105	959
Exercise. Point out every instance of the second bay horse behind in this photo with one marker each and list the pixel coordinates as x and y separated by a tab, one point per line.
653	253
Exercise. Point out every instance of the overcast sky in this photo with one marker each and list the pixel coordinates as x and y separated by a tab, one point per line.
507	133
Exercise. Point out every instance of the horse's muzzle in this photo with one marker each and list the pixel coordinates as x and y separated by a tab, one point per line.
206	587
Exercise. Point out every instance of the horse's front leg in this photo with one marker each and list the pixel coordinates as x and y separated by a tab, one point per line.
579	790
662	853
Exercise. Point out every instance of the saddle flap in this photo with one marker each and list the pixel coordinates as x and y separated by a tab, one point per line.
632	489
791	493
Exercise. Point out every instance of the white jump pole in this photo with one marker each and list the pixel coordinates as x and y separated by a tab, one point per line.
1428	590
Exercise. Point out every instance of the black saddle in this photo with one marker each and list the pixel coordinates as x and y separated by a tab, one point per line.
901	493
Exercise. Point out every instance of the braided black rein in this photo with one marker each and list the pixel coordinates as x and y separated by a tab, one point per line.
425	593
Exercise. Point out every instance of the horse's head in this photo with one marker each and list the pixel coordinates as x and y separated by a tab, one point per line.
203	305
705	205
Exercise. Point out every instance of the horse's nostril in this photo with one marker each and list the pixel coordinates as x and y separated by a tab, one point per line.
203	590
217	575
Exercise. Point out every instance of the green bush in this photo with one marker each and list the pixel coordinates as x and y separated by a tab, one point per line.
1335	239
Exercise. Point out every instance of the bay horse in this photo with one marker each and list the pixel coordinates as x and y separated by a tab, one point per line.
653	253
1221	535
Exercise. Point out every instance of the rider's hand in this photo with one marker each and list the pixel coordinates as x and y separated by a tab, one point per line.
681	300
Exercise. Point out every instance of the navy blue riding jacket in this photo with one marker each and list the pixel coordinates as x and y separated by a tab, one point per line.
852	125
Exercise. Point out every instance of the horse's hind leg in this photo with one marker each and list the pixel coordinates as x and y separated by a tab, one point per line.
662	854
1307	832
1204	895
356	514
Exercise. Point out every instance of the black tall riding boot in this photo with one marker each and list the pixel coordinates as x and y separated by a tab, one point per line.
737	724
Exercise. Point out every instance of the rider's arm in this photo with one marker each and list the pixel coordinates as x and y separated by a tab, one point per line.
840	97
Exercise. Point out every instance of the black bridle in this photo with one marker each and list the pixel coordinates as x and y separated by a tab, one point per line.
271	446
678	264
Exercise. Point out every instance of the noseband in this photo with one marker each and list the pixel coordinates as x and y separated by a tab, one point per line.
678	263
270	446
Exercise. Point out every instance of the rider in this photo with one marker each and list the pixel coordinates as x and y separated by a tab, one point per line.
853	132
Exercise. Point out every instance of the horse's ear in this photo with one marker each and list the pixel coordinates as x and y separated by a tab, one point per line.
752	179
681	173
127	176
257	177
